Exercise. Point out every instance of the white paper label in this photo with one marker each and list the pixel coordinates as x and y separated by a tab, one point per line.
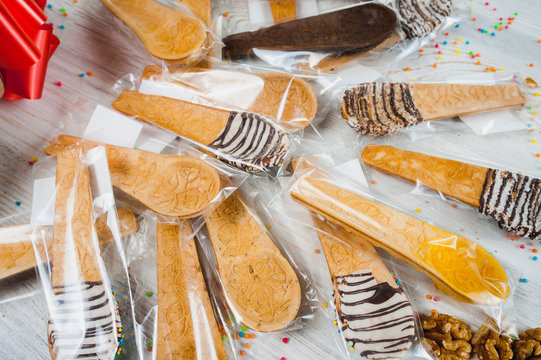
350	174
493	122
43	201
100	181
111	127
215	88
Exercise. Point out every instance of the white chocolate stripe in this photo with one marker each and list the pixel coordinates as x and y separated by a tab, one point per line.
252	142
376	318
84	322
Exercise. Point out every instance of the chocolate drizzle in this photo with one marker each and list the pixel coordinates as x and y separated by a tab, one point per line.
376	318
420	17
514	201
250	141
380	108
84	322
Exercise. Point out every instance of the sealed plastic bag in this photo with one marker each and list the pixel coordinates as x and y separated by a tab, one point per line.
200	106
170	177
173	310
296	41
88	296
172	31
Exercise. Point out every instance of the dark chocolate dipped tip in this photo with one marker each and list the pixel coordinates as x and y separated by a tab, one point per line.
420	17
361	27
514	201
380	108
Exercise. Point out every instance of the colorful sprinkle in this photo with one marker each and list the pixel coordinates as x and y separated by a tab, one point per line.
59	83
285	340
324	305
522	246
252	336
523	280
453	206
247	346
62	27
407	69
18	203
49	6
397	282
241	334
534	258
82	75
244	328
317	251
418	210
149	293
242	353
429	297
534	251
374	182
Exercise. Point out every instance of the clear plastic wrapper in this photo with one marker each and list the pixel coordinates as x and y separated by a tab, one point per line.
87	291
175	318
288	33
172	31
162	173
509	287
485	105
251	122
256	270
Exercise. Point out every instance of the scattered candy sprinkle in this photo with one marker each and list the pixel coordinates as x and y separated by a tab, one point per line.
534	258
149	293
534	251
433	311
523	280
407	69
247	346
49	6
252	336
246	336
18	203
82	75
244	328
397	282
59	83
429	297
62	27
324	305
522	246
285	340
317	251
436	298
62	10
242	353
374	182
453	205
418	210
241	334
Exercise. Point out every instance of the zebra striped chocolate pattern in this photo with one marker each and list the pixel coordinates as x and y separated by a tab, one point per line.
380	108
514	201
420	17
251	142
376	319
84	322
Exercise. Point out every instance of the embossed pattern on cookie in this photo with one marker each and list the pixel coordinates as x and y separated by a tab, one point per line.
181	294
174	185
260	285
512	199
375	316
83	316
288	99
459	266
17	253
246	140
384	108
167	33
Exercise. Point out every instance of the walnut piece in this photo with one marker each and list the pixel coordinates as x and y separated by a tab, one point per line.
447	337
490	345
528	347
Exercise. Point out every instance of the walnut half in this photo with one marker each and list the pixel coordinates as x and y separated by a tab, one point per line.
490	345
447	337
528	347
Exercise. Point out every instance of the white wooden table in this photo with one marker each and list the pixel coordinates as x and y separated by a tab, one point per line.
93	41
